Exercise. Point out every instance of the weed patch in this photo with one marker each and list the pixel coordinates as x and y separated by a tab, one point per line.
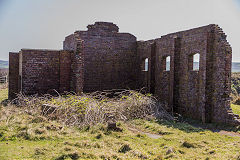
94	108
124	148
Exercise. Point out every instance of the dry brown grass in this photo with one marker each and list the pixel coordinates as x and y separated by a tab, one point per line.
94	108
27	133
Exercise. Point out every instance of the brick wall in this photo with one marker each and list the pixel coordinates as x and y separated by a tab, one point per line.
65	71
40	71
78	65
221	77
13	88
109	57
144	50
181	88
101	58
69	43
202	94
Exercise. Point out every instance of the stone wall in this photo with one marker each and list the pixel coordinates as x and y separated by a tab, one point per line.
13	83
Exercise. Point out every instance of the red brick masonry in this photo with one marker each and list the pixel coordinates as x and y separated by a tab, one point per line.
101	58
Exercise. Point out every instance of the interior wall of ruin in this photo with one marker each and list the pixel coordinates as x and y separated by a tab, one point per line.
201	94
110	58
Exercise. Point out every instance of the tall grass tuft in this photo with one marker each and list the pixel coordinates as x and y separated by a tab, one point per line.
97	107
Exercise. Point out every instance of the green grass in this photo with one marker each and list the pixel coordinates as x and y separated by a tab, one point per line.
235	108
26	136
3	94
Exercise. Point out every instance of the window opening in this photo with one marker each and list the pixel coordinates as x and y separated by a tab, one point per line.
194	62
168	62
196	58
145	64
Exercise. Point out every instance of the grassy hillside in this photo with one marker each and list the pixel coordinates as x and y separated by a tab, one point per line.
3	64
235	86
27	137
235	67
25	134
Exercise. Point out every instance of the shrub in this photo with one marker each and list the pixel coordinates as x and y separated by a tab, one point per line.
237	101
188	145
90	109
124	148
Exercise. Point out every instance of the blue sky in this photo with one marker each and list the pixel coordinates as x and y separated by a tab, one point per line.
45	23
238	3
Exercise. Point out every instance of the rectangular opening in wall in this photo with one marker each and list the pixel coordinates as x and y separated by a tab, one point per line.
168	60
194	62
145	64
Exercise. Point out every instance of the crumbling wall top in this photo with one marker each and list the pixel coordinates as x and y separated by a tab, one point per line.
103	26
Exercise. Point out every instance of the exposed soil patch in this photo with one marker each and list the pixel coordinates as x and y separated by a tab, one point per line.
227	133
150	135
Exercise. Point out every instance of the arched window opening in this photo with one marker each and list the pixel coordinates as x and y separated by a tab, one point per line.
168	62
194	62
145	64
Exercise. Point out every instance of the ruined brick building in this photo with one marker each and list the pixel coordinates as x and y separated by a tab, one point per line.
101	58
